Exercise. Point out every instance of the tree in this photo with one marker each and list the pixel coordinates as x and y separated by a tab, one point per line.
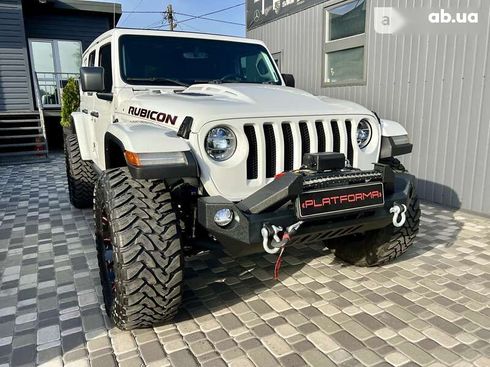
70	101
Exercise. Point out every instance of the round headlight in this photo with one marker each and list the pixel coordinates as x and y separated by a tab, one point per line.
364	133
220	143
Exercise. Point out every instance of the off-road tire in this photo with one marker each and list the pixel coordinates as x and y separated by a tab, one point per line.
381	246
394	163
146	249
80	174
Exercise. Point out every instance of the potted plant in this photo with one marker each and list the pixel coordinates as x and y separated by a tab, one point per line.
70	101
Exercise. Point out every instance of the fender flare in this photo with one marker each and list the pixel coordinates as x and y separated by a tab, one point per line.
392	128
394	140
150	138
80	124
143	137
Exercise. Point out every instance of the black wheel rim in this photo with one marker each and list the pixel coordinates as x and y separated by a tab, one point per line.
106	260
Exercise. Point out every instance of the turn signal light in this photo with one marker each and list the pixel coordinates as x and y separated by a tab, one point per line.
155	159
132	158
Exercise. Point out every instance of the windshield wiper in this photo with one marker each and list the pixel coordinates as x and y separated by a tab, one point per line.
157	80
222	81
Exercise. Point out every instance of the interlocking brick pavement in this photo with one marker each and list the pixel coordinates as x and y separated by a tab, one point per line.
431	307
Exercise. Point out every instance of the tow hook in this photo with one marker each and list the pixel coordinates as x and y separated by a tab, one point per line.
275	237
399	210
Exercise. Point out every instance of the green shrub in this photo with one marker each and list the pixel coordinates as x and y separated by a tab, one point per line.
70	101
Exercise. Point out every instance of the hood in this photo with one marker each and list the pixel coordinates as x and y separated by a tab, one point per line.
211	102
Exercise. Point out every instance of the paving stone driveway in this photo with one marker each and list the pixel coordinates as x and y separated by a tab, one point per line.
429	308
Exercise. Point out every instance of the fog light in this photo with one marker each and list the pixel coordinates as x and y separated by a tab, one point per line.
223	217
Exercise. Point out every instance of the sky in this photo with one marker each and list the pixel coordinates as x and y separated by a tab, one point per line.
189	7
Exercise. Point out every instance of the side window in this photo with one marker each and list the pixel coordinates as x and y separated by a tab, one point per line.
106	62
91	59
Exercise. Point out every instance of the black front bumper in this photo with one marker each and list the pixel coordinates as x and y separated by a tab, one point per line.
275	206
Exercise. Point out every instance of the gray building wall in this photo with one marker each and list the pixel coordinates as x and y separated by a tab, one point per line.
15	84
437	86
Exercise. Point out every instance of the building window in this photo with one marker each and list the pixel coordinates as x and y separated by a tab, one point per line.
345	42
54	61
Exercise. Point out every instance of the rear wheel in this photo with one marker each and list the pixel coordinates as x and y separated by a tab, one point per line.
80	174
381	246
138	249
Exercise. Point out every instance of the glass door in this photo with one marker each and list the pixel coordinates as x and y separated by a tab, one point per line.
42	56
54	61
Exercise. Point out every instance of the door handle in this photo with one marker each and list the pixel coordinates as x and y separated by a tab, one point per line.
94	114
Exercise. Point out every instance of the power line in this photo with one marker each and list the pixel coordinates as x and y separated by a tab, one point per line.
185	20
183	26
128	14
205	18
143	11
171	14
157	24
210	13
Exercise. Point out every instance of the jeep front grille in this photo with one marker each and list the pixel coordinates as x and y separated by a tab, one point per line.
288	146
335	136
283	143
252	160
270	151
305	138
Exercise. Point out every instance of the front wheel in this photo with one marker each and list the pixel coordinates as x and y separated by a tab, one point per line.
381	246
138	249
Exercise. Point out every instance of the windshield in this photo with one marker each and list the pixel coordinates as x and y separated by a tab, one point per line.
157	60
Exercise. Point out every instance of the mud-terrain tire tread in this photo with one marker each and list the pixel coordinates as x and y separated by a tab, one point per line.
147	251
384	245
394	163
80	174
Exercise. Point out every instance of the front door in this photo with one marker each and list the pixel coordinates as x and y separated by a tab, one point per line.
103	112
54	61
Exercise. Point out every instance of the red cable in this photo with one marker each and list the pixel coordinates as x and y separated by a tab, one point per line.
278	264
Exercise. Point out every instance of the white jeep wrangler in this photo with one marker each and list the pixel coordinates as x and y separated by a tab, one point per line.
195	141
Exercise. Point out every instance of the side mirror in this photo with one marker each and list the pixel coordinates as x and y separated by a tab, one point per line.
288	80
92	79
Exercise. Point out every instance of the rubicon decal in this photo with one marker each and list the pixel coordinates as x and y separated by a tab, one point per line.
153	115
341	199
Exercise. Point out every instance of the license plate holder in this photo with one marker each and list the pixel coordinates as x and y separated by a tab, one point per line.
340	199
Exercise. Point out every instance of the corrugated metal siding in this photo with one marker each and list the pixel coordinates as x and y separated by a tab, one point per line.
15	88
437	86
84	27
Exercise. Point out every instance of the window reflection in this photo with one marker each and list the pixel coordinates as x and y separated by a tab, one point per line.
54	61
